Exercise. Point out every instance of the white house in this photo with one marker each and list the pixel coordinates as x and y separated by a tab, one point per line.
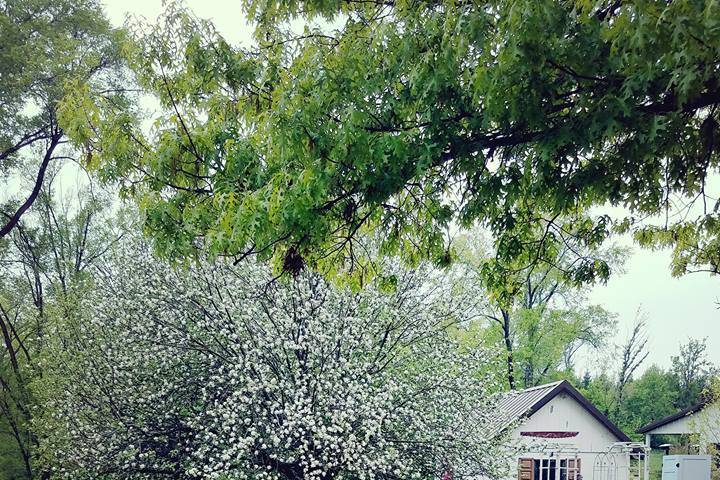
702	420
562	436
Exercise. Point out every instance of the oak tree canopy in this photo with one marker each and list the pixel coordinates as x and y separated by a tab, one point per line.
402	120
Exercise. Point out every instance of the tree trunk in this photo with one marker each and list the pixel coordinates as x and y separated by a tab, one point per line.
508	348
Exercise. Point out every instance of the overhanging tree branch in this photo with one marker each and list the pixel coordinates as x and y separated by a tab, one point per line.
15	218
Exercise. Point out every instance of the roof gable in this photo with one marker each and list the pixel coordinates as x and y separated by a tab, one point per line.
671	418
525	403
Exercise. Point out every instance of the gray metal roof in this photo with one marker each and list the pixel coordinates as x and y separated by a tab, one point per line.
514	406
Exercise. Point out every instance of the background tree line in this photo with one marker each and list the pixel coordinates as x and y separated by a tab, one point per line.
633	400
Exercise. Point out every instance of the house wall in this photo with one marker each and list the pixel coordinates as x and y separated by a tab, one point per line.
705	423
564	413
679	426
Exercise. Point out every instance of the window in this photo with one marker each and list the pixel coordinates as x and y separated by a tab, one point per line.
549	469
563	470
546	468
570	469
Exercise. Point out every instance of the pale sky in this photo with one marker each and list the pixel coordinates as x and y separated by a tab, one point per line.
675	308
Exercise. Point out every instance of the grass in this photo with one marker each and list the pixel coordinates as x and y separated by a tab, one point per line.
656	457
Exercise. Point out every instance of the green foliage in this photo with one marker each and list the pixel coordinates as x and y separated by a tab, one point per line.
538	315
656	460
541	340
11	465
651	397
692	372
657	393
47	46
43	268
601	393
406	118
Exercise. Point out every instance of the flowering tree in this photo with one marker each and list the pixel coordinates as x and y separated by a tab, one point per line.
215	371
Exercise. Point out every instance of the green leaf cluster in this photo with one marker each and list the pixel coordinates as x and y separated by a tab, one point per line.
405	120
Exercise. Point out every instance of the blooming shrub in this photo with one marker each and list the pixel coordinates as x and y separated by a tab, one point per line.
215	371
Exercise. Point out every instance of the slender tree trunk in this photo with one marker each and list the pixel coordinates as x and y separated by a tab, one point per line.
9	345
508	348
26	462
24	452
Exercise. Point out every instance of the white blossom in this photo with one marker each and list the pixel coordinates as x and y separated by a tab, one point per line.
215	371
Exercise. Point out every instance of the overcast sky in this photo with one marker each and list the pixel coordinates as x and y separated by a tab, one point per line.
675	308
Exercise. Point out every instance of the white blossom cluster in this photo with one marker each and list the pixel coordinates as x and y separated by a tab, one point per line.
215	371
